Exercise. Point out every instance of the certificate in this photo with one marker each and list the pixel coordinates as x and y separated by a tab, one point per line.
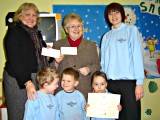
50	52
69	50
103	105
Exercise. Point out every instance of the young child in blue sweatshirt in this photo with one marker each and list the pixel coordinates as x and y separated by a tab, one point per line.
99	84
71	102
44	107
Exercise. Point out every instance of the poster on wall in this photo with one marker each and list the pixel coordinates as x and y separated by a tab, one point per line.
148	25
150	6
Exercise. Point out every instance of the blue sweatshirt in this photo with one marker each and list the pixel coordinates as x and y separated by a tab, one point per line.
71	105
44	107
121	54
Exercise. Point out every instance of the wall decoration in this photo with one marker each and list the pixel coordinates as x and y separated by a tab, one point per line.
130	16
150	6
152	87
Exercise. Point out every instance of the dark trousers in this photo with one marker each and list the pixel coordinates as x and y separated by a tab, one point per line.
131	109
15	98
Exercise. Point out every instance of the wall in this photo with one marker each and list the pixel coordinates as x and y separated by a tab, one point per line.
150	102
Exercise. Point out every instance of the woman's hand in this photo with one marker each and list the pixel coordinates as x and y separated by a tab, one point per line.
31	91
58	60
84	71
139	92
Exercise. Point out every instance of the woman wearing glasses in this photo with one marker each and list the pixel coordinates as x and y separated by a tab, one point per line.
86	61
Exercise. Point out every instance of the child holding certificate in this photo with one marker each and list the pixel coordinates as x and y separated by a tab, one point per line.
99	85
71	102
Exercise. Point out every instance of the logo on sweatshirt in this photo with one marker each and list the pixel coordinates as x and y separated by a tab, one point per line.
121	40
50	106
71	104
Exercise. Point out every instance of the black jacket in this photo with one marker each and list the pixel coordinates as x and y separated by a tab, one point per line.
20	54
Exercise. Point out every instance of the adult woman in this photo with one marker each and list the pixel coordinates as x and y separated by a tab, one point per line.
22	44
86	61
122	61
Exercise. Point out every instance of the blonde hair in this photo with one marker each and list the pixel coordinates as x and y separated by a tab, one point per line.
69	17
46	75
25	7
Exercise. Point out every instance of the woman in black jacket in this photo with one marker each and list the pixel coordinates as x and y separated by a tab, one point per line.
22	44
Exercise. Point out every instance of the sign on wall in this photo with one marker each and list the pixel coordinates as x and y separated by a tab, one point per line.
150	6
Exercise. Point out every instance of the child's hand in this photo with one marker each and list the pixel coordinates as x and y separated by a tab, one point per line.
119	107
86	106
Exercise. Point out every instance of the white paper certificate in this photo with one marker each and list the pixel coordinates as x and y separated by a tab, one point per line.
50	52
69	50
103	105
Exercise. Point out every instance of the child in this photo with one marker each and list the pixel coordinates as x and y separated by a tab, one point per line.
71	102
44	107
99	85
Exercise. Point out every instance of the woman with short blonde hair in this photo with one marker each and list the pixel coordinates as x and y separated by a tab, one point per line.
22	44
86	61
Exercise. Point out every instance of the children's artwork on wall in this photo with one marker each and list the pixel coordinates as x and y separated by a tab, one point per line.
148	25
130	16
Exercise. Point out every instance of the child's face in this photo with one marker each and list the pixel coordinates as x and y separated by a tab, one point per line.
99	84
50	88
68	83
115	18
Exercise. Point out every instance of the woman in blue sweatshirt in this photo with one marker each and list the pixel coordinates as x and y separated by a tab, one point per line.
122	61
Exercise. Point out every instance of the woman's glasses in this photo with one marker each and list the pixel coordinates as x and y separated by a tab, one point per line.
75	27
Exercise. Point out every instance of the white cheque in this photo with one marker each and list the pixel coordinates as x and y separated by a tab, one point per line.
50	52
69	50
